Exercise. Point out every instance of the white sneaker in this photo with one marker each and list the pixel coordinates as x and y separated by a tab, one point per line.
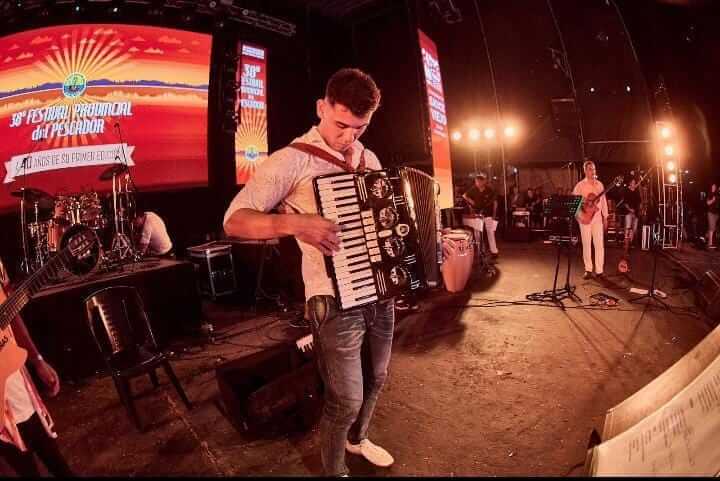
372	452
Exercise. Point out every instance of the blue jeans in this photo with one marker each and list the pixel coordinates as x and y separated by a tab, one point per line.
352	382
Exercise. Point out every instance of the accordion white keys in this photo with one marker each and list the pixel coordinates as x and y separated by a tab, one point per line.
389	236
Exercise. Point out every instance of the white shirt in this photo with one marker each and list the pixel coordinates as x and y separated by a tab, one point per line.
286	178
155	235
17	396
584	188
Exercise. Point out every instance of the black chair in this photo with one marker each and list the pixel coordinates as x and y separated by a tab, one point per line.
120	326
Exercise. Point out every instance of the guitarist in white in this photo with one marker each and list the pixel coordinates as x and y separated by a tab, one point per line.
589	188
25	424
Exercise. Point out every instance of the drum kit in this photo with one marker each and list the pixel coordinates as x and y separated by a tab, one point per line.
46	221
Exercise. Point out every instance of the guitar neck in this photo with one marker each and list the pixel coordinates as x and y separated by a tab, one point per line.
21	296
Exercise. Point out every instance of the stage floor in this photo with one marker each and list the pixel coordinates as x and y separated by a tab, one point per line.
476	386
695	261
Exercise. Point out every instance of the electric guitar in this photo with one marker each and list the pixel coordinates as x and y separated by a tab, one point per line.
80	246
589	206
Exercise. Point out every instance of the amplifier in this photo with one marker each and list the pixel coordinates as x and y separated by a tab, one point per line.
708	294
519	228
214	265
276	388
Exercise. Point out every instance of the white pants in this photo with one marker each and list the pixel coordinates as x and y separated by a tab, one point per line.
594	232
490	226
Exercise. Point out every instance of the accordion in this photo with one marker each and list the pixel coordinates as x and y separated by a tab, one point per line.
390	236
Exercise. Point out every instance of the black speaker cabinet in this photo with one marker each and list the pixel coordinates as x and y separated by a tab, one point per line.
279	388
708	293
519	228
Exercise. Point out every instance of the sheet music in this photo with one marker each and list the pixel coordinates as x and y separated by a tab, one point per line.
663	388
680	438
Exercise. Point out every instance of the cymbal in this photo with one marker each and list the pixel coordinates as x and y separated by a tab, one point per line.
32	195
116	169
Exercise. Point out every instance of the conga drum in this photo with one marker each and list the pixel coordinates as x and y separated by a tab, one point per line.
476	223
457	258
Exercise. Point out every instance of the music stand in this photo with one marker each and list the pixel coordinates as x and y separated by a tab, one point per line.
561	209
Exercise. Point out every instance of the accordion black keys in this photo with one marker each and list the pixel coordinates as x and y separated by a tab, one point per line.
381	246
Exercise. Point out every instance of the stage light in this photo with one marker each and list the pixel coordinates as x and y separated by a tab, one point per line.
665	131
474	134
510	131
672	178
456	135
489	133
669	150
115	10
627	87
592	89
670	166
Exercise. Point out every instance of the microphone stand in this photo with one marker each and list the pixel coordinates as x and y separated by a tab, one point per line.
124	244
651	296
25	264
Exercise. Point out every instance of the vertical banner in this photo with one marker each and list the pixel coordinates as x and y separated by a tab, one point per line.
438	120
251	140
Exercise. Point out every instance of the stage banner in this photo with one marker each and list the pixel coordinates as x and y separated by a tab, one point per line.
75	99
251	139
54	159
442	169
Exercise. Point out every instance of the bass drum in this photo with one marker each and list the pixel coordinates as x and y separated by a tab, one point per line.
85	261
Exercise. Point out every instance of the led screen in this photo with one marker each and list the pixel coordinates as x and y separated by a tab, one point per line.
76	99
251	140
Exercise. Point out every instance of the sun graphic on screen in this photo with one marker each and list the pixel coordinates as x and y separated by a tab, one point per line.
251	144
80	59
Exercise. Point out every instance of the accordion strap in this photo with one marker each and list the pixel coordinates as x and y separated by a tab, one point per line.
322	154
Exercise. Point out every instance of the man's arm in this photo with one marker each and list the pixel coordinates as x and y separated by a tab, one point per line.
248	215
469	200
495	207
309	228
44	371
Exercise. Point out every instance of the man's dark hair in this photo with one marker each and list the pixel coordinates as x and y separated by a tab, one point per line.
354	89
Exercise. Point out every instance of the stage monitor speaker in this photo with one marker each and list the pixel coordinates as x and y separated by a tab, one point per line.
276	389
565	117
708	294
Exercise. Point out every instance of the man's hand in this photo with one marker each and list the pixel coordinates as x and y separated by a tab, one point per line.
316	231
48	376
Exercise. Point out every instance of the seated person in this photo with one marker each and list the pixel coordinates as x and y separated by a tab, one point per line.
515	199
151	236
533	204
